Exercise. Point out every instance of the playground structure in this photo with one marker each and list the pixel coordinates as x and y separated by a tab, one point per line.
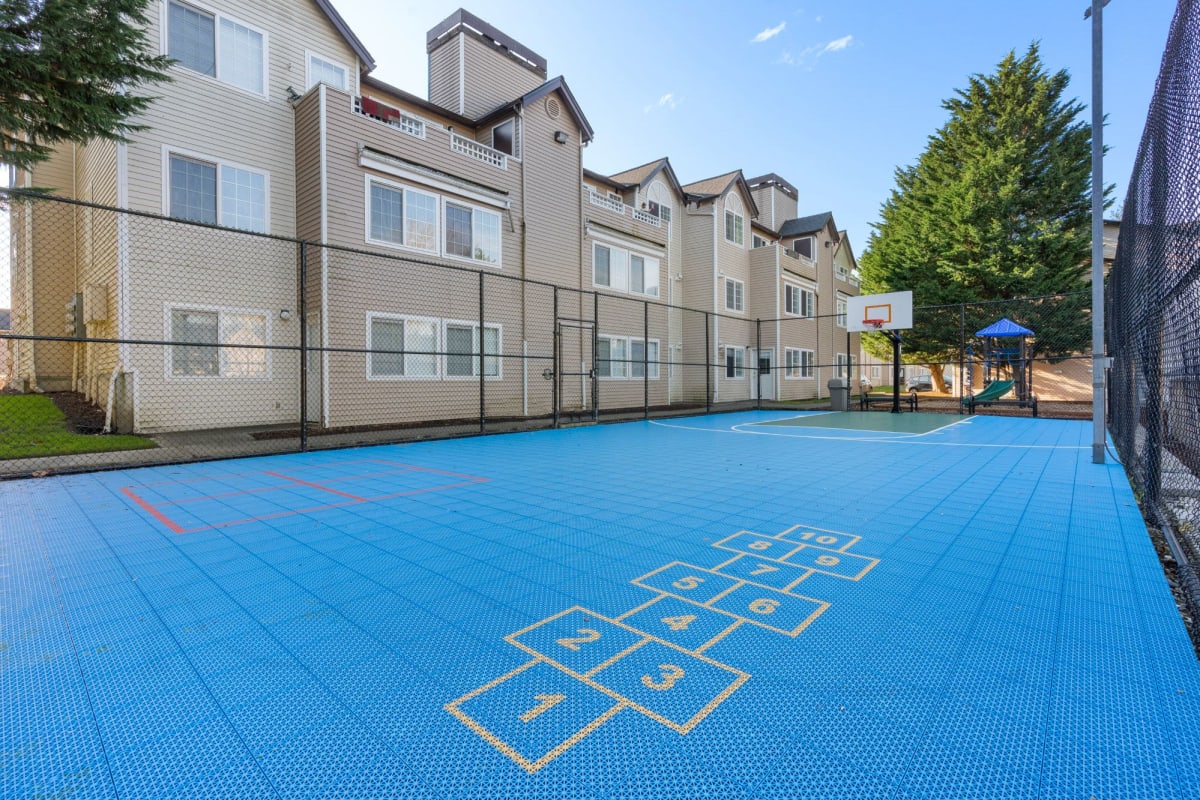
1006	366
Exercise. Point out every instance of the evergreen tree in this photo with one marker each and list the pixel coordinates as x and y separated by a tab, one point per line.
69	70
998	206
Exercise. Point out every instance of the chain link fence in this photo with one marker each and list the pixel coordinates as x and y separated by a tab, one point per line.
138	339
1153	317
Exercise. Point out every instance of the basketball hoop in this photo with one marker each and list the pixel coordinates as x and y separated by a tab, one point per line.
876	324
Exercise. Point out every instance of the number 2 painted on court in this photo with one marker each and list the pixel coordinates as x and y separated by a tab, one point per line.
573	642
670	674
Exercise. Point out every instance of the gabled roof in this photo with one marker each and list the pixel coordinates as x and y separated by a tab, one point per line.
806	225
604	179
641	176
559	85
347	34
718	186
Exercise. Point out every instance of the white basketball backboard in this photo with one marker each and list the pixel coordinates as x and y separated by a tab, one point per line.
893	309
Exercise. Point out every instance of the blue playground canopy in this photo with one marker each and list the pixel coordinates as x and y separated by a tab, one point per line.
1004	327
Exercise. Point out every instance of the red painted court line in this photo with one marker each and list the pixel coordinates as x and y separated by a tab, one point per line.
152	511
316	486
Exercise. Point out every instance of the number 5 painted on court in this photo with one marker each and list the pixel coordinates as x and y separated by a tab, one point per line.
688	582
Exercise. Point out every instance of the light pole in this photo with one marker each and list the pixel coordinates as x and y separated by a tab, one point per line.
1099	361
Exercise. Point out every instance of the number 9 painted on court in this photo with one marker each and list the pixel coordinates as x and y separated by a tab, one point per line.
828	561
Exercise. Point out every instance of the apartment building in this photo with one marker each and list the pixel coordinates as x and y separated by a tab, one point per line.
493	243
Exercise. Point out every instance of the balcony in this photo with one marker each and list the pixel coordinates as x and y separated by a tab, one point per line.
847	277
393	117
477	151
617	207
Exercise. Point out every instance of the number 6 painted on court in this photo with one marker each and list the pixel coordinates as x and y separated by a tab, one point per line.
670	674
764	605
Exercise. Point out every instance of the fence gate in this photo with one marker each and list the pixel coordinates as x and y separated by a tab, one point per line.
574	375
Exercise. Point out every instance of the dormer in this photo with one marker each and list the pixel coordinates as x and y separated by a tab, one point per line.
776	199
473	68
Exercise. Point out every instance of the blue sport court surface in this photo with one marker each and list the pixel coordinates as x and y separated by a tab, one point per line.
709	607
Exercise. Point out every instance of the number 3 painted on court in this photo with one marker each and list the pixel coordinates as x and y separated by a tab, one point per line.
670	674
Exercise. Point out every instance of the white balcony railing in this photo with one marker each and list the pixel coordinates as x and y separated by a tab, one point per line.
649	219
392	117
477	151
618	207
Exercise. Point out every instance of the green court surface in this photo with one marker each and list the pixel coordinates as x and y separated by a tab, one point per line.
881	422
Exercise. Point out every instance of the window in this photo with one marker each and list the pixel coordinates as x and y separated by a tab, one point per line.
472	233
734	221
735	362
462	350
798	363
875	371
758	241
504	137
321	70
623	271
192	193
624	357
735	295
798	301
217	46
845	365
201	334
841	312
402	216
401	347
804	246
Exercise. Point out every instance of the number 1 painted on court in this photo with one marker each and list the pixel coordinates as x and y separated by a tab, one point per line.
548	701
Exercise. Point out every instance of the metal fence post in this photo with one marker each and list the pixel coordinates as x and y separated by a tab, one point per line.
556	364
707	368
302	312
482	371
645	359
757	371
595	373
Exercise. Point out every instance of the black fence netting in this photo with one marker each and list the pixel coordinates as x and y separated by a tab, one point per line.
139	339
1153	330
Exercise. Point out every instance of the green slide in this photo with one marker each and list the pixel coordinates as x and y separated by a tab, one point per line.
993	391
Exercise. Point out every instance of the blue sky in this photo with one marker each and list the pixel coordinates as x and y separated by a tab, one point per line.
831	94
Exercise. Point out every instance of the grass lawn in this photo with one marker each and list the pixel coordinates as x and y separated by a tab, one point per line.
31	425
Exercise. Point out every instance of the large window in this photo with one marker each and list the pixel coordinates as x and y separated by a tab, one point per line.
462	350
735	221
217	46
798	301
624	271
798	363
402	347
841	312
218	343
845	365
472	233
212	192
735	295
403	216
626	357
504	137
322	70
735	362
805	246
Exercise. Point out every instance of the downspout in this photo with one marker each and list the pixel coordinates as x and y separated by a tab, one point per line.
716	306
75	346
524	265
324	167
779	363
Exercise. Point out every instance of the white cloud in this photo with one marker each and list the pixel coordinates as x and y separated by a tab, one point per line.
668	101
838	44
769	33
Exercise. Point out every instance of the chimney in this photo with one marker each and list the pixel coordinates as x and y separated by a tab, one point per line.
474	68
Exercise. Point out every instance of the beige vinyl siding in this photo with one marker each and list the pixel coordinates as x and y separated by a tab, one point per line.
697	294
255	131
308	167
553	226
766	214
96	170
444	77
215	270
492	78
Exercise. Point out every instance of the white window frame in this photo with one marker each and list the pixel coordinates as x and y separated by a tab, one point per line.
309	55
475	209
168	151
803	368
800	308
168	370
628	256
626	363
739	369
217	15
845	365
812	246
474	355
842	311
735	210
739	294
405	319
404	189
875	372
